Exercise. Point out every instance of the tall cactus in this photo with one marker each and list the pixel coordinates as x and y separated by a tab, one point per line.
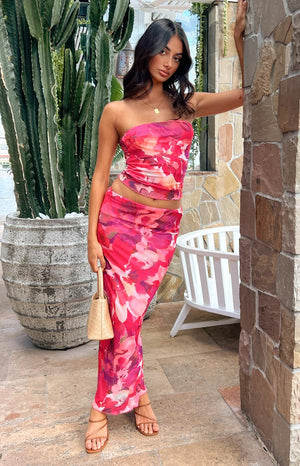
47	137
41	163
104	38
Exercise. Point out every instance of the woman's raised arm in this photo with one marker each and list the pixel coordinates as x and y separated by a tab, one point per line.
206	103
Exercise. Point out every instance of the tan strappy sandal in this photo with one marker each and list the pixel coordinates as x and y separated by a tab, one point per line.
149	420
95	435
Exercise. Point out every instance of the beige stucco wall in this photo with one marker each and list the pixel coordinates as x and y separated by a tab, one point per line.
213	198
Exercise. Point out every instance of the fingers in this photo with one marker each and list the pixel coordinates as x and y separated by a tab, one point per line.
102	262
97	262
95	256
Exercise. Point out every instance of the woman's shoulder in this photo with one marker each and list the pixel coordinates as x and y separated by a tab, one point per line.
113	108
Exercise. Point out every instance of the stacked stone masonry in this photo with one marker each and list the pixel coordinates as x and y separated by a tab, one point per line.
270	239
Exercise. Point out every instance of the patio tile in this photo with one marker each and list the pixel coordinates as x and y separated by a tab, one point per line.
4	365
64	452
69	391
232	397
239	449
155	321
227	336
157	382
35	361
12	338
42	427
21	397
202	372
159	344
170	313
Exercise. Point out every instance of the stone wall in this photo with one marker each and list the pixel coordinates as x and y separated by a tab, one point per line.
213	198
270	241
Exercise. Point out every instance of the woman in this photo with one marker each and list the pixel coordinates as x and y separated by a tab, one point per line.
134	236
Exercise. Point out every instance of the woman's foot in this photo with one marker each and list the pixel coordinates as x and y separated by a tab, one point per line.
145	420
97	432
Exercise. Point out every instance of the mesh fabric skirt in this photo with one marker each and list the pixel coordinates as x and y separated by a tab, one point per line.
138	242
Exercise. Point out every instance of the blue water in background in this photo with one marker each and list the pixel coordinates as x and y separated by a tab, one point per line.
7	197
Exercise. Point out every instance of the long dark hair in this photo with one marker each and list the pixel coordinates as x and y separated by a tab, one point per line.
152	42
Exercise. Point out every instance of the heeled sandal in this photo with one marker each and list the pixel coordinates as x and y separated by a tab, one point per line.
149	420
93	436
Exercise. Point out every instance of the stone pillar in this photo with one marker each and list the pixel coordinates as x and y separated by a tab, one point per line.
270	239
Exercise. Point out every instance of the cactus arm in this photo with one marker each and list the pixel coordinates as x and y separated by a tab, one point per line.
126	30
68	26
48	84
42	122
86	100
57	10
18	32
55	30
104	65
86	153
34	17
45	8
78	93
103	7
30	109
68	79
15	157
116	14
68	131
10	79
75	111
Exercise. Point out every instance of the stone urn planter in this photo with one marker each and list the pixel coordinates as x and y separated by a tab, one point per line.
48	279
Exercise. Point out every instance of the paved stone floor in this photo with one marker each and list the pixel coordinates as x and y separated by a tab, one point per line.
192	379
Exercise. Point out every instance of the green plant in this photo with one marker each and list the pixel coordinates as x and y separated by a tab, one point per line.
39	131
104	37
199	10
52	96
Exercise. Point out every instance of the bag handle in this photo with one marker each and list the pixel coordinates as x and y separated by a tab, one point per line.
100	292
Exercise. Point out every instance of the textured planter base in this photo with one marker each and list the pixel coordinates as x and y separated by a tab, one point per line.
48	278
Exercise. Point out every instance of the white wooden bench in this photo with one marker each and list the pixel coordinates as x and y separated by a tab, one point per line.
210	260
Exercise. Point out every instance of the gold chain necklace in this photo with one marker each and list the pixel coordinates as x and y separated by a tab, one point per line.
156	108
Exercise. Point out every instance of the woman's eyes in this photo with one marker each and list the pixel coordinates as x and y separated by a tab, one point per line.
177	59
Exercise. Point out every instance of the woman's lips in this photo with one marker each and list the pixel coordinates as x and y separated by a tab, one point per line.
164	74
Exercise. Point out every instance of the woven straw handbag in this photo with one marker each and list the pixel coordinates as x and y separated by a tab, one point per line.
99	326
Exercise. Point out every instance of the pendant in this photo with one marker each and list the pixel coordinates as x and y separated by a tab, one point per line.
156	110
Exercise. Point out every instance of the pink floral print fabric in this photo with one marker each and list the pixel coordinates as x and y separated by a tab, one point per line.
138	243
156	158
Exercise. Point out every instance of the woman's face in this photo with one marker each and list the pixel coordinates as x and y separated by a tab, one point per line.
165	63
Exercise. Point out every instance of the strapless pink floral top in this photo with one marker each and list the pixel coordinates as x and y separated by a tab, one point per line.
156	158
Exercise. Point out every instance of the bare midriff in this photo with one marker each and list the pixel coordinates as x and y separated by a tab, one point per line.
120	188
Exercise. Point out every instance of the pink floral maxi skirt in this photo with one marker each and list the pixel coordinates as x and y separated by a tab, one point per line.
138	243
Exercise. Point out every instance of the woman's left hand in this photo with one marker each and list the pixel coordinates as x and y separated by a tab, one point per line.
240	22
